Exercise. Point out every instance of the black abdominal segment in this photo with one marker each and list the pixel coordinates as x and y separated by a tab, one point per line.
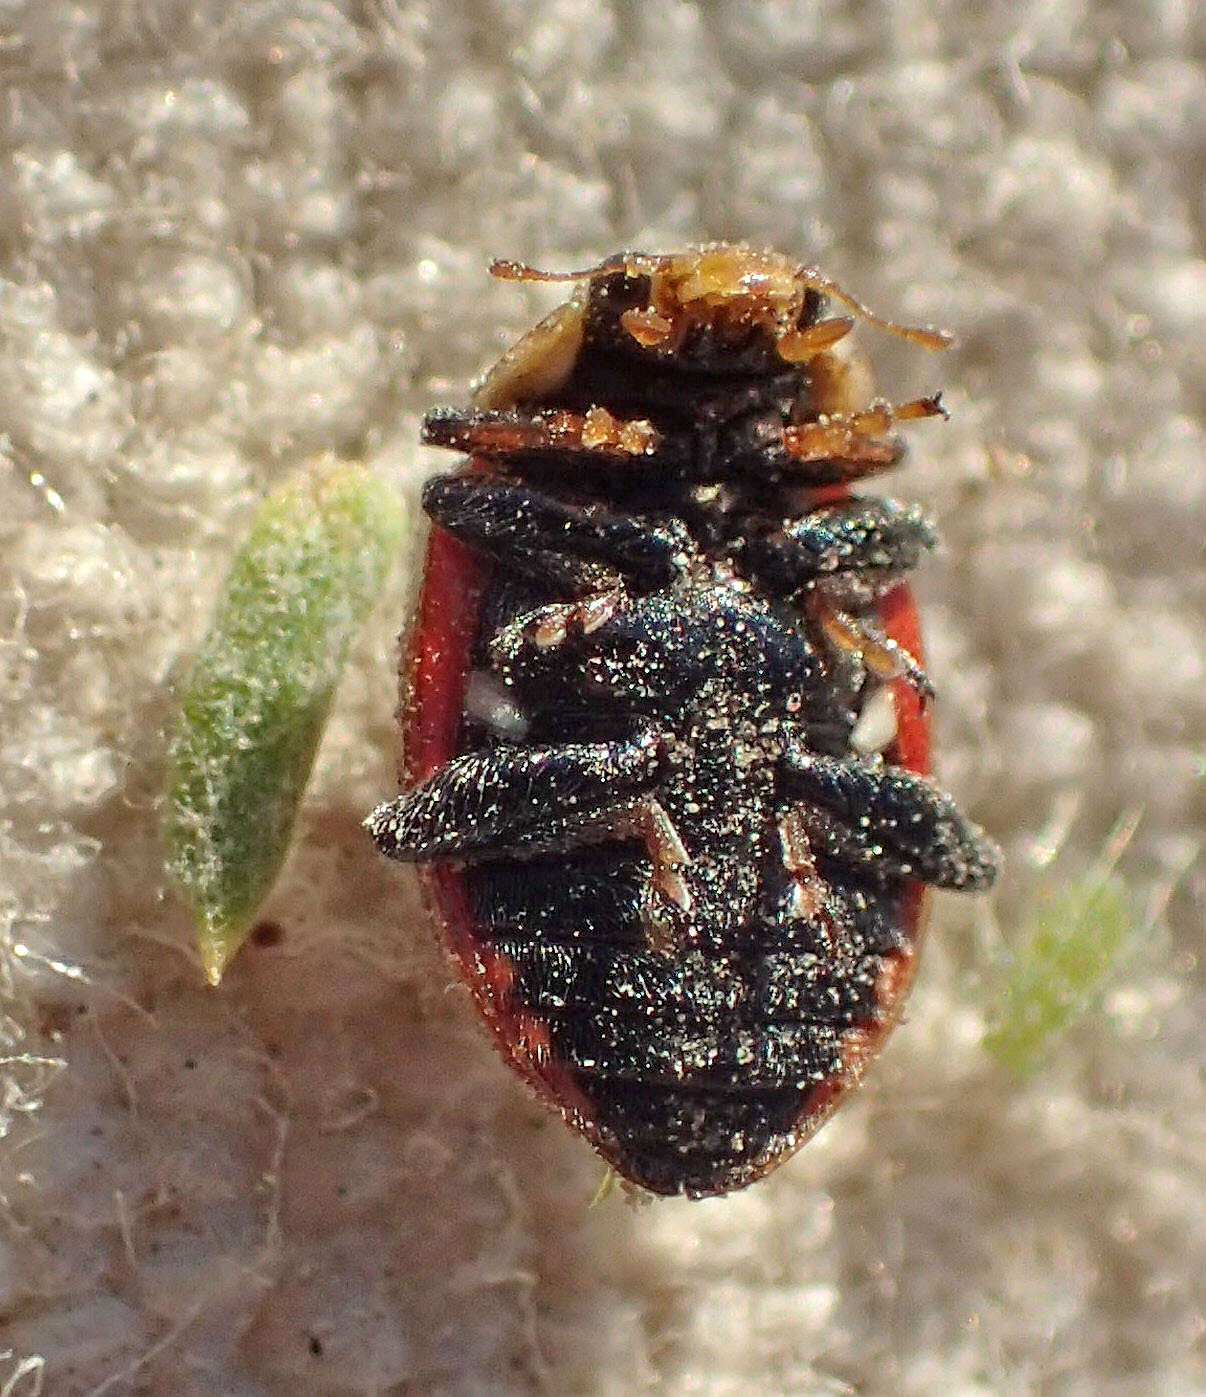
698	881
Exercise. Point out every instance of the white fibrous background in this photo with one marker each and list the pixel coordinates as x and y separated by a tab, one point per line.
236	235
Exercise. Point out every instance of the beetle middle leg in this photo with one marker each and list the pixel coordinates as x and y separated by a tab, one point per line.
859	543
865	638
846	555
582	549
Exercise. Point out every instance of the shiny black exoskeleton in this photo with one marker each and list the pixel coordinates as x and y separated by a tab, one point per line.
674	831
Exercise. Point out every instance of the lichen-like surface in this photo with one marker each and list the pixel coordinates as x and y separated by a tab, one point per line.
234	234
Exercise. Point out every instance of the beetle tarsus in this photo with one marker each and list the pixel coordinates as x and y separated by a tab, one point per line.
862	637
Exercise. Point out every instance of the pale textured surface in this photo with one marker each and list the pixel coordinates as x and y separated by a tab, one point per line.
235	234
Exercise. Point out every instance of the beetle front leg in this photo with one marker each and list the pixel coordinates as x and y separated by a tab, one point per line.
832	450
857	443
512	799
594	435
585	549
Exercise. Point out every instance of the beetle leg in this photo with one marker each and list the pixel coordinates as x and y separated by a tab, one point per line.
534	652
866	544
535	633
510	799
669	856
585	548
859	443
552	432
628	900
882	656
829	451
884	819
847	555
807	895
648	653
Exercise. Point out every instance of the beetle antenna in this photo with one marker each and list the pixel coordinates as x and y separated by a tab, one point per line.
917	334
629	262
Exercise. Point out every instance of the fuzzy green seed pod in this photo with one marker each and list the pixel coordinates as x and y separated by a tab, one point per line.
256	702
1055	972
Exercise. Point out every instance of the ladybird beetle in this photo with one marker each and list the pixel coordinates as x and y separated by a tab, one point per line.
665	721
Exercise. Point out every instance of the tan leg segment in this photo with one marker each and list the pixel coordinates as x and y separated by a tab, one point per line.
668	853
506	434
861	441
882	656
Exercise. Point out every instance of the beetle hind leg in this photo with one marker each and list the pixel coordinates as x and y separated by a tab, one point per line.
516	799
595	896
883	819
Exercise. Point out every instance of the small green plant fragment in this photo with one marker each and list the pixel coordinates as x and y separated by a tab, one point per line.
1055	973
255	704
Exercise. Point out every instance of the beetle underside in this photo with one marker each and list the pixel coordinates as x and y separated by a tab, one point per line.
677	825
